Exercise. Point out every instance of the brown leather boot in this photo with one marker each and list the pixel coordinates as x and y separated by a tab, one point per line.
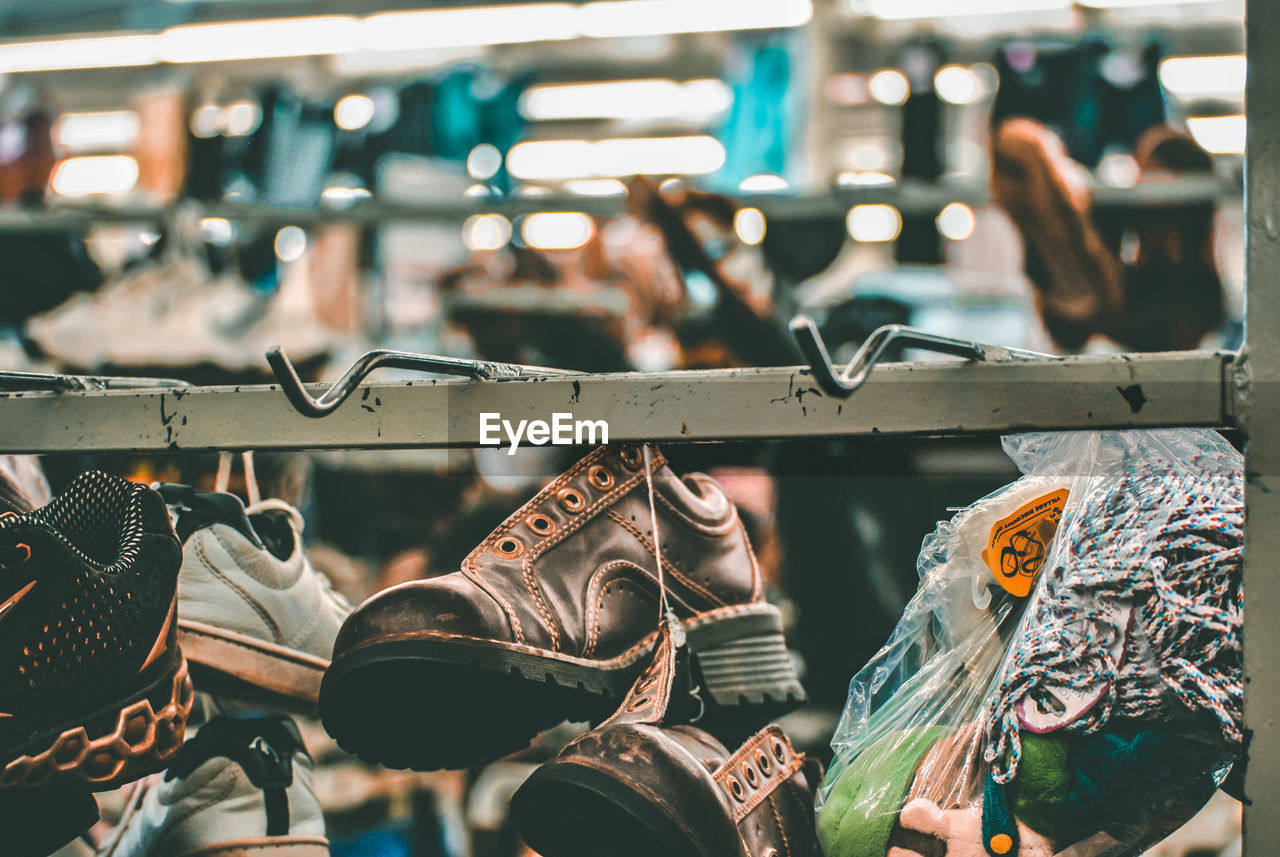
636	787
553	616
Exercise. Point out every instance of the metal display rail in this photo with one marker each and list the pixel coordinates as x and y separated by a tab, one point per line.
929	398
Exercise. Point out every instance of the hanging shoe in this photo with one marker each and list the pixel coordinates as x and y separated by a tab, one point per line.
1079	282
256	620
553	616
240	787
637	786
1173	293
93	688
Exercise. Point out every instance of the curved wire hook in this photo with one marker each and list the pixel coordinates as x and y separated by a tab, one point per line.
329	400
842	384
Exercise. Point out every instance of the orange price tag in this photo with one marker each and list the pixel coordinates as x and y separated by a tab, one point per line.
1019	543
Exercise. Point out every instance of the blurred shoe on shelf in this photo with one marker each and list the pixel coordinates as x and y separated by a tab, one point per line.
94	690
1079	282
645	783
254	618
554	615
239	787
78	332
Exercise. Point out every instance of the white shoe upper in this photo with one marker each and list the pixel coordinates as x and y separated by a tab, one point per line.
217	802
244	571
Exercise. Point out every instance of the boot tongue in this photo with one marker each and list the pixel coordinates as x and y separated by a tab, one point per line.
192	510
664	692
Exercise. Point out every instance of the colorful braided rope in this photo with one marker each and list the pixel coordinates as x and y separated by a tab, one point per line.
1166	540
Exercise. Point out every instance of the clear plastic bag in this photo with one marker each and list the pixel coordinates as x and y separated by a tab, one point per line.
1066	680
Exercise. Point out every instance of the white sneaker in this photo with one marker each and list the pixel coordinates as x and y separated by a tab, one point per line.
253	615
240	787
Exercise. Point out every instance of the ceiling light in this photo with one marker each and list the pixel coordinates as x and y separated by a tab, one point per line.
625	156
865	179
353	112
94	174
241	118
219	231
596	187
624	18
340	196
749	225
1221	135
291	243
557	230
890	87
1199	77
484	161
1125	4
105	52
763	183
463	27
872	223
956	222
956	84
486	232
415	31
627	99
206	121
903	9
242	40
107	129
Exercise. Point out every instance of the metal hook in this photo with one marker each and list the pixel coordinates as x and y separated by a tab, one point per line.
842	384
328	402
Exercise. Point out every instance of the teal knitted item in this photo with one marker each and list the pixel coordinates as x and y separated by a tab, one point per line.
999	828
861	809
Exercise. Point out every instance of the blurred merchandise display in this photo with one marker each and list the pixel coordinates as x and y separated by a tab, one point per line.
836	256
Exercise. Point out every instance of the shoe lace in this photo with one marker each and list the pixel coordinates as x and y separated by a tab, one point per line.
1167	540
665	613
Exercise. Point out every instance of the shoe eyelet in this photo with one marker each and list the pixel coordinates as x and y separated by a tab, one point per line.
735	789
638	703
571	500
541	524
600	477
509	548
749	773
631	457
779	752
762	761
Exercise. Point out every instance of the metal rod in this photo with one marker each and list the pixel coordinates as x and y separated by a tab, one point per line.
843	383
930	398
1257	393
328	402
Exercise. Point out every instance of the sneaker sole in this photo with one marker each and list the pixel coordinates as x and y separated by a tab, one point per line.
236	665
447	702
264	846
111	747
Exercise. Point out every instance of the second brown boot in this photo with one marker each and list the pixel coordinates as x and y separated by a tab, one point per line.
636	786
553	616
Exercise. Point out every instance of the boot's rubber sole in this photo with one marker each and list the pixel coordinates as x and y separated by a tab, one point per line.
111	747
441	701
225	662
569	810
264	846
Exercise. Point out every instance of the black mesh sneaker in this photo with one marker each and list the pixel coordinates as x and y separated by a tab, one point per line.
93	687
